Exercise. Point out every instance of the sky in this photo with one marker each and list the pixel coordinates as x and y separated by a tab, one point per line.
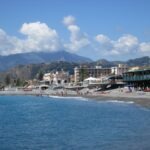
110	29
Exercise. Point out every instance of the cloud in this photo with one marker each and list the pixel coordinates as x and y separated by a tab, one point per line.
78	40
145	47
69	20
105	43
38	37
126	44
102	39
8	43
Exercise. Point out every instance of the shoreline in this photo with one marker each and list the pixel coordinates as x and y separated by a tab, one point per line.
142	100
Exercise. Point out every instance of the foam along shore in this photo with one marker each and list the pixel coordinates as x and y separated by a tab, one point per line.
138	97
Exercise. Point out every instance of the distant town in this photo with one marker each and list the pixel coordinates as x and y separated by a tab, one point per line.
82	80
98	77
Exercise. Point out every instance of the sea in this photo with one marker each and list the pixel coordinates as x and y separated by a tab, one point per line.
58	123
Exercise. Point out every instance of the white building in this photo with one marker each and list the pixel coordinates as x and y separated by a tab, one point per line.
76	74
134	68
59	77
81	73
48	77
119	70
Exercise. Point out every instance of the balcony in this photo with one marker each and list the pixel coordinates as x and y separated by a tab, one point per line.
136	78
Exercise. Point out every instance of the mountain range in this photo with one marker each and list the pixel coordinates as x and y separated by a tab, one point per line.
7	62
28	65
10	61
142	61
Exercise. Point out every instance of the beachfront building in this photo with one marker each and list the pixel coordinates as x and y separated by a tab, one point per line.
48	77
71	79
92	81
135	68
96	82
120	69
139	79
58	77
81	73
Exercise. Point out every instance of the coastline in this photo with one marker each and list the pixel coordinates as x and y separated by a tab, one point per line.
144	102
142	99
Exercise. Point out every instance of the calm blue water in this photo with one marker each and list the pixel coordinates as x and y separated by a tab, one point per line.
41	123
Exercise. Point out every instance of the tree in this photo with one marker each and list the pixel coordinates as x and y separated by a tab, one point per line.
83	74
18	82
40	75
7	79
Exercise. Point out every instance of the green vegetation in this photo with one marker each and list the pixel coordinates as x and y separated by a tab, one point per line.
40	75
18	82
19	74
7	80
83	74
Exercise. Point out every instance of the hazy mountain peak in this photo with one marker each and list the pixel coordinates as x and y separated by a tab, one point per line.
7	62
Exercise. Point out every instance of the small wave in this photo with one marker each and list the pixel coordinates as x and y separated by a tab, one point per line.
68	97
51	96
117	101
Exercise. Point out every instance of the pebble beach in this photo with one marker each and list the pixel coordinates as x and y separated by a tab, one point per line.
138	97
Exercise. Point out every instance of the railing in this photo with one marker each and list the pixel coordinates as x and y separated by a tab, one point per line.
136	78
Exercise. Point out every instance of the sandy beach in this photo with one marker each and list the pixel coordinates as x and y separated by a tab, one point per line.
138	97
